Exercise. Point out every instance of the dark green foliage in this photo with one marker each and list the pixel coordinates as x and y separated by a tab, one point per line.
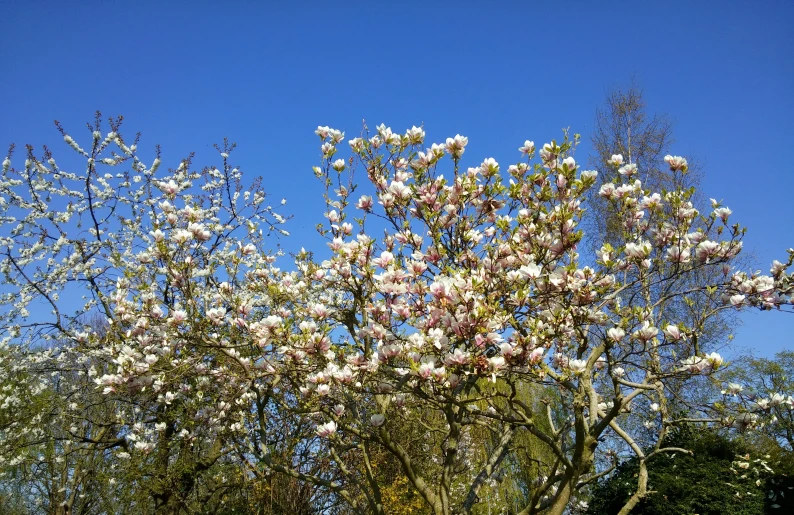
706	483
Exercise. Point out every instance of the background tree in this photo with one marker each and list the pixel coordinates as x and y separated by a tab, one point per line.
624	127
629	141
767	384
762	390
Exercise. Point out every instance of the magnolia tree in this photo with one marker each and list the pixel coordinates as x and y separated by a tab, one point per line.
476	288
452	322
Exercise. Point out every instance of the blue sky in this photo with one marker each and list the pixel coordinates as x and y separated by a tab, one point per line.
186	74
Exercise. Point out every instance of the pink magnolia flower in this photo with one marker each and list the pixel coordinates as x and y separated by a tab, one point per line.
439	374
388	135
456	358
385	259
577	366
386	199
453	381
415	135
745	421
527	148
508	349
442	288
530	271
646	332
323	389
326	430
181	236
456	146
776	399
678	254
344	375
170	188
560	360
677	163
377	420
607	191
702	364
672	332
400	190
628	170
536	355
639	250
158	235
732	389
216	315
549	153
722	213
714	359
489	167
651	202
319	311
387	352
706	250
624	190
426	368
365	203
496	363
777	268
356	144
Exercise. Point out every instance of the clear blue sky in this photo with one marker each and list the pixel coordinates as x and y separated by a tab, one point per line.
266	74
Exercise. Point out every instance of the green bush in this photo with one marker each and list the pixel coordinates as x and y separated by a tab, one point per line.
709	482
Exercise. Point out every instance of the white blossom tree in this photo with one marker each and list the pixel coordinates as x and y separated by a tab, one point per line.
77	244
